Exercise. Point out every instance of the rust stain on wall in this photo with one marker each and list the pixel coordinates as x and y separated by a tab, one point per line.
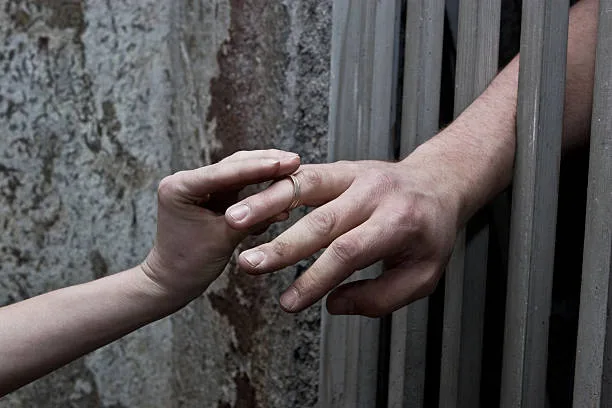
245	320
246	104
246	111
246	393
246	107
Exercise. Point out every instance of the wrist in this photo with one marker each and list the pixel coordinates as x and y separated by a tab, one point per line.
152	274
432	163
471	169
476	151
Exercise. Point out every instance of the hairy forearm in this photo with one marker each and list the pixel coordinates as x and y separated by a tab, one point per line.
43	333
479	145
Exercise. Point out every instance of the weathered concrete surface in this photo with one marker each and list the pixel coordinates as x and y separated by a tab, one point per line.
99	99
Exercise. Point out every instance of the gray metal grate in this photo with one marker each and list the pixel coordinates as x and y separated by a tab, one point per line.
365	71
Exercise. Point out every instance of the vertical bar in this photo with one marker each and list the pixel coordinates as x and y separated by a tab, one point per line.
534	201
420	110
361	123
594	328
477	54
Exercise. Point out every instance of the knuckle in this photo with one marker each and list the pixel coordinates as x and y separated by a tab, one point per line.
260	202
381	181
417	214
322	222
306	284
280	248
343	163
410	216
167	187
236	155
398	216
345	250
264	201
311	177
231	156
429	282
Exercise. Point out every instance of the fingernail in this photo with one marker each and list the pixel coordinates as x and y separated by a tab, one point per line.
290	158
238	212
341	306
289	299
254	258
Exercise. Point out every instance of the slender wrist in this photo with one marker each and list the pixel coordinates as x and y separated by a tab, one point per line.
165	282
156	299
168	299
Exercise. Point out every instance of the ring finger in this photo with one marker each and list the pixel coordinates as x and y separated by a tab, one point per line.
317	184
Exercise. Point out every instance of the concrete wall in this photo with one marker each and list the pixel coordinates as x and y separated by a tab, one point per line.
99	99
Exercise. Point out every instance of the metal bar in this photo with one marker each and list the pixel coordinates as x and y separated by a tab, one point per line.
534	201
594	330
361	123
422	72
477	54
420	110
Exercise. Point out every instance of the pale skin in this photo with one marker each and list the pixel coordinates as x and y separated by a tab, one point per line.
192	247
407	214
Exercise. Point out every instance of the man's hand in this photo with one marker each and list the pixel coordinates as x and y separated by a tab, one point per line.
406	214
194	243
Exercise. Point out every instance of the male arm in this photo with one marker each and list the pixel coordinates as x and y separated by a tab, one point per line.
407	214
480	143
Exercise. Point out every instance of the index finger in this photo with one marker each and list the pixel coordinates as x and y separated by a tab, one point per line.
258	154
319	184
233	175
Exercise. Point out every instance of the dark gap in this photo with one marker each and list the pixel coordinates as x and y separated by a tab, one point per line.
510	31
495	302
401	44
436	300
567	278
568	261
569	246
384	344
435	320
384	353
447	86
499	238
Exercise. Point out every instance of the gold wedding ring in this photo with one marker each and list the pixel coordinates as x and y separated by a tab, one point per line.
295	201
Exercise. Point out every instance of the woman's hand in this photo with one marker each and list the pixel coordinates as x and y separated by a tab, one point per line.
194	243
406	214
192	247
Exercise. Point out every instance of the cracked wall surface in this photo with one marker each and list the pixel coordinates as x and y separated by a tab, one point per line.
99	99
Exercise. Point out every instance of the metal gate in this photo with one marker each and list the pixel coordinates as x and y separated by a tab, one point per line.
383	362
